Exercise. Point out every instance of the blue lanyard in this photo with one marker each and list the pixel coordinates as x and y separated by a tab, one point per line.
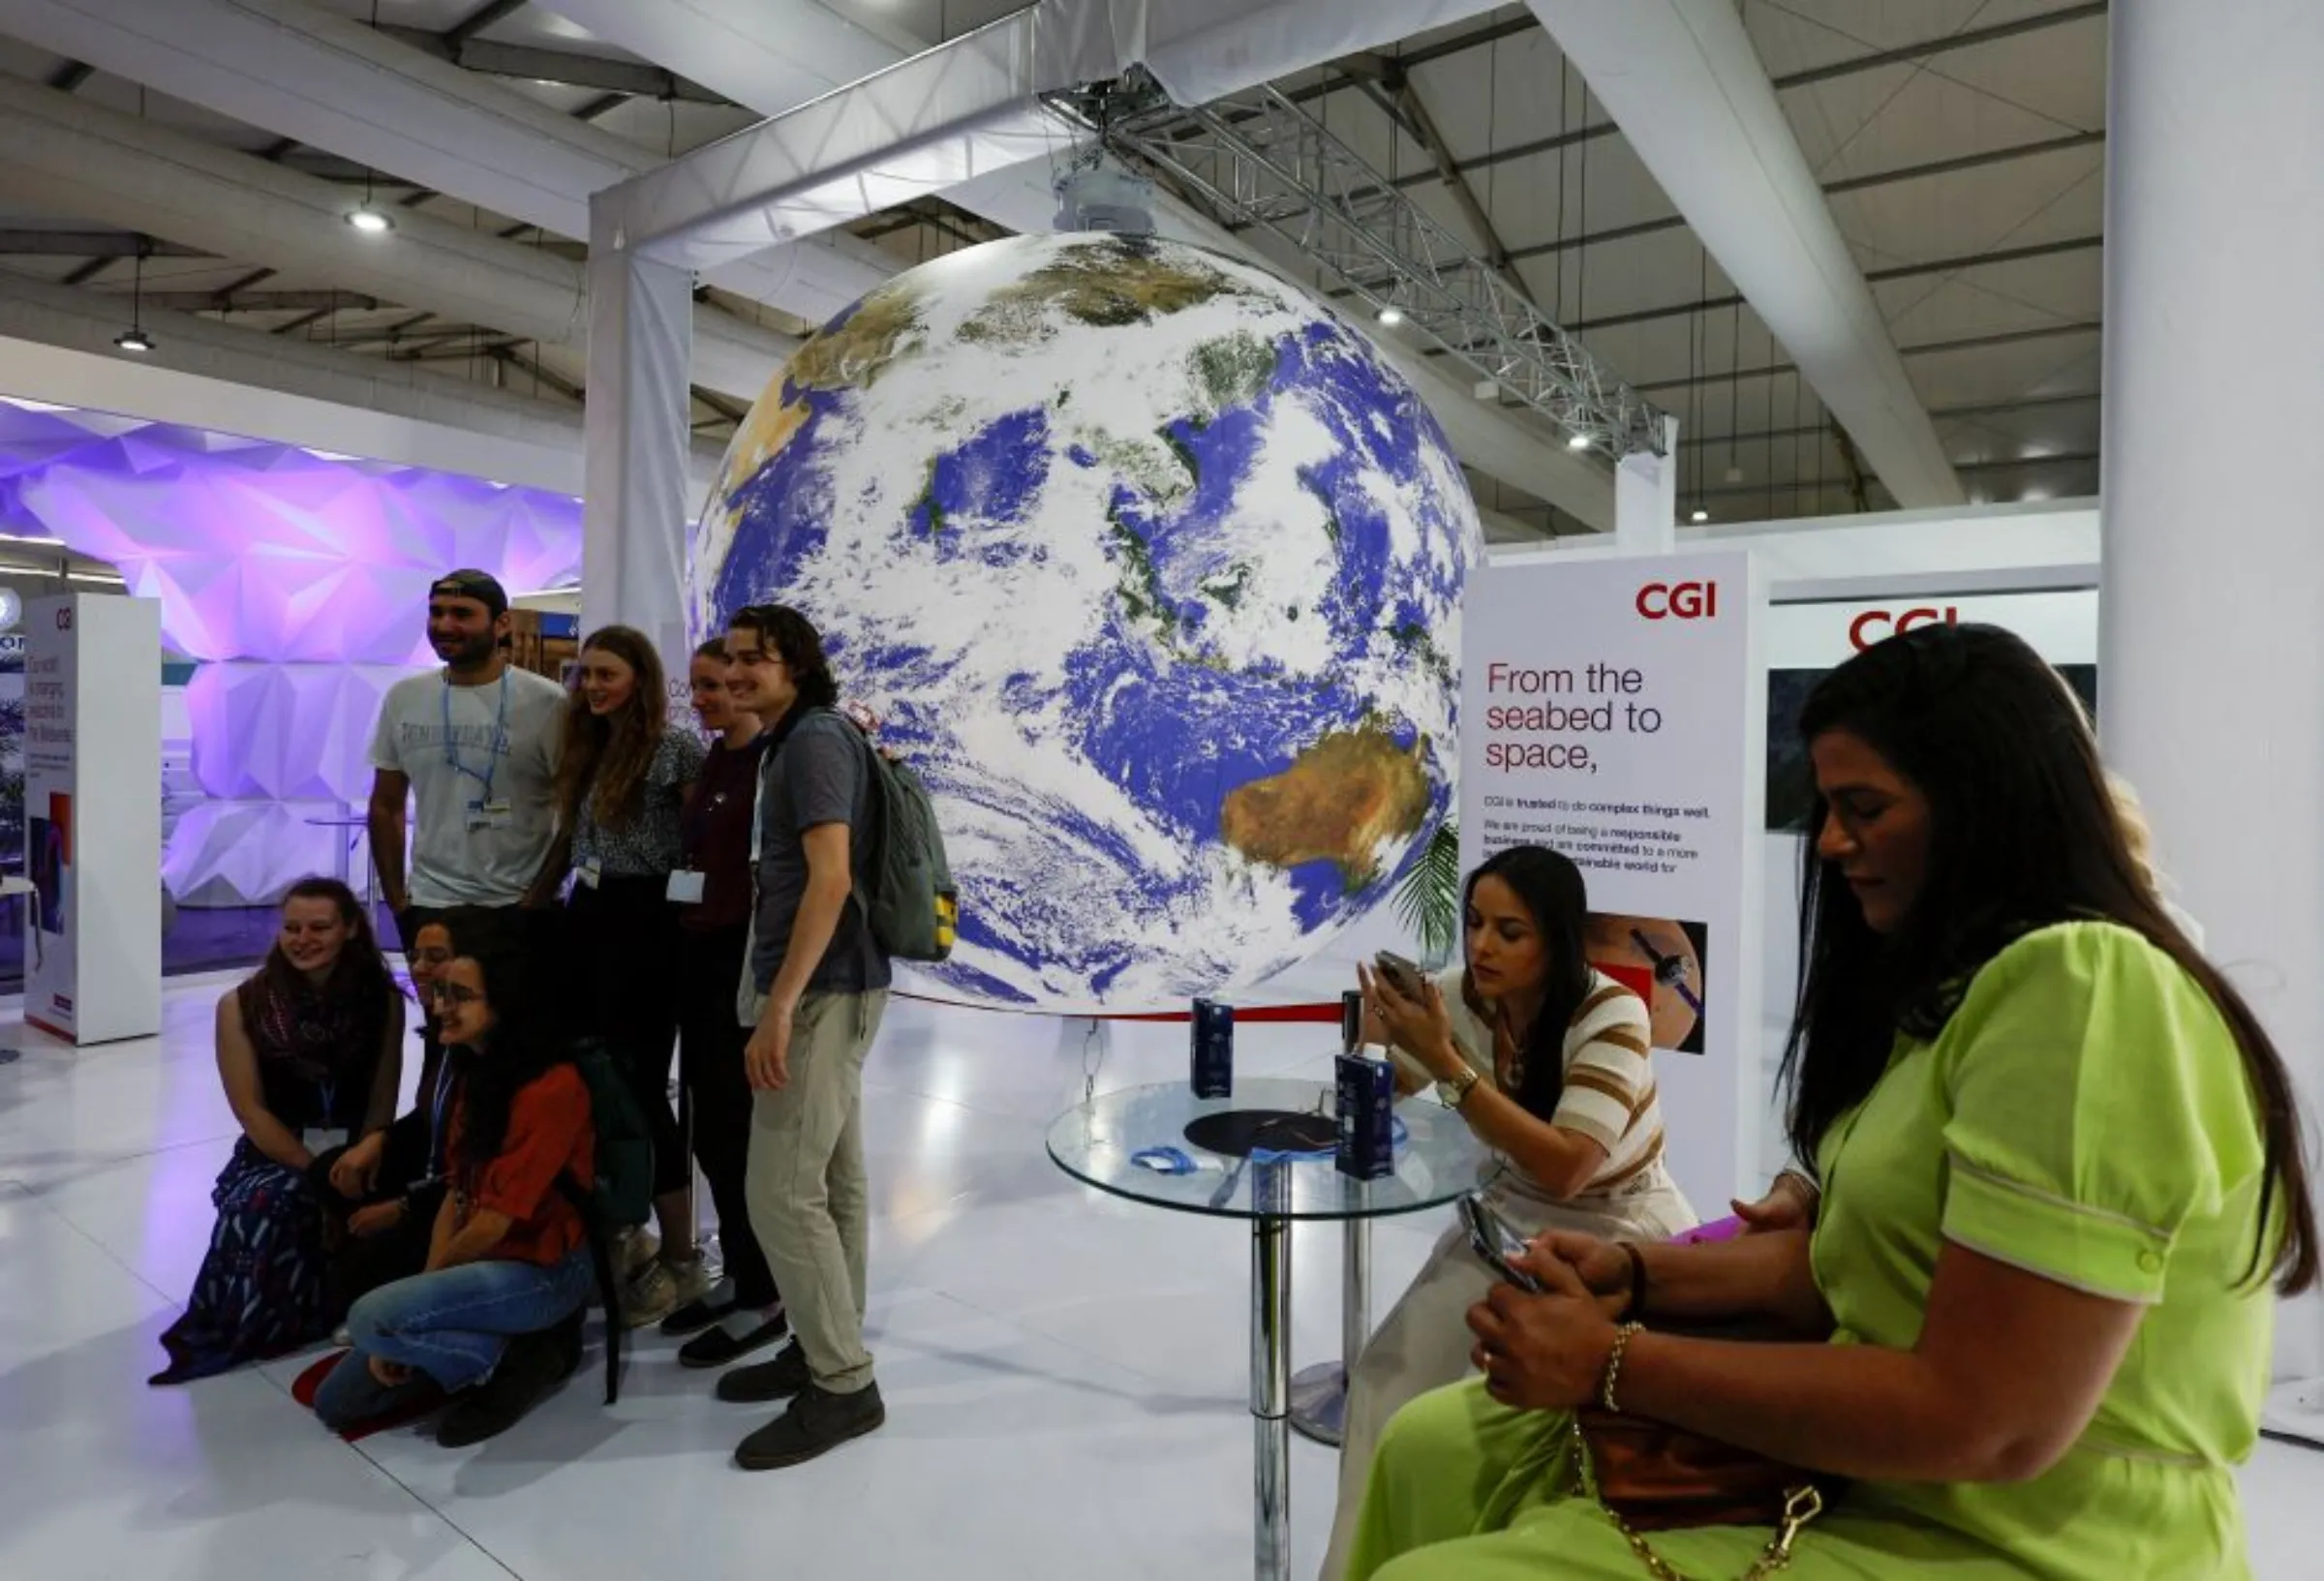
329	1091
436	1136
492	753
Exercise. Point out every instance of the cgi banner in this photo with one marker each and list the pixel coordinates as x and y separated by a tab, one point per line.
93	824
1615	711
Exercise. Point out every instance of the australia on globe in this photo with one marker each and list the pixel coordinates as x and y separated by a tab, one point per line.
1152	567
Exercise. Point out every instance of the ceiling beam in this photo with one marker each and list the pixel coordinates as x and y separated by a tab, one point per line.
1923	349
91	244
1831	188
1899	271
206	372
1983	408
489	15
547	377
561	67
331	83
228	300
1685	83
1927	49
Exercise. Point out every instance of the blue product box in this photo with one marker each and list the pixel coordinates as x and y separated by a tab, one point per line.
1210	1038
1368	1118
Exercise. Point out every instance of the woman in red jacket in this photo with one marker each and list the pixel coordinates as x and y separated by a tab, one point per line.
495	1321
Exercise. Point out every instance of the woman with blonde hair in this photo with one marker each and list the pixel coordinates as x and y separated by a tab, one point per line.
621	788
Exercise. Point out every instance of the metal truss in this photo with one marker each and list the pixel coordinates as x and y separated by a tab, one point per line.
1261	160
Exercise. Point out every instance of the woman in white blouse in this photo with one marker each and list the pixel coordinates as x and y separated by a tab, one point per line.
1547	1060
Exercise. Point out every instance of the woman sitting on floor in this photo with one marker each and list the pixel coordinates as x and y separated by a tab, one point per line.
1547	1060
495	1321
2061	1163
385	1189
310	1053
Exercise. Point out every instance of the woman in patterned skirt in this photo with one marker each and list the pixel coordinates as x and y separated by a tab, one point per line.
311	1053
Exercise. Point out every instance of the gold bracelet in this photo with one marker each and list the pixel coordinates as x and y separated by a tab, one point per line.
1613	1363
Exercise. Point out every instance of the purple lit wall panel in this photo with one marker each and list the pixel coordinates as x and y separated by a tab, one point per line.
301	582
285	732
271	553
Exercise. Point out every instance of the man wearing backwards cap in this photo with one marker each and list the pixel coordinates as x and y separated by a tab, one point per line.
477	741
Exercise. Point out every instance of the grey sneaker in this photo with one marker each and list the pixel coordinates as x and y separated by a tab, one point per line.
649	1296
691	1276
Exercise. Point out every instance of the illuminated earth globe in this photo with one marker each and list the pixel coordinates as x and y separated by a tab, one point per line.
1152	567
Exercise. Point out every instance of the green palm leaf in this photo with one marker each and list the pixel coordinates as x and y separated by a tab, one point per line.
1429	899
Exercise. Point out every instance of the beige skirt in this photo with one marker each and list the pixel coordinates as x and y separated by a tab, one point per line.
1423	1343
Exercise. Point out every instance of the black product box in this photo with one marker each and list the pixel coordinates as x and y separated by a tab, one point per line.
1368	1118
1211	1040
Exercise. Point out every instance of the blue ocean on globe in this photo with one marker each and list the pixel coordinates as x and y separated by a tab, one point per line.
1152	567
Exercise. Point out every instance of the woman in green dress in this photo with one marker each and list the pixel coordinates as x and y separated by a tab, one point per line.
2060	1171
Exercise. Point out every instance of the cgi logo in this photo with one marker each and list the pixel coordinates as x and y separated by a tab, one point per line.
1679	601
1866	628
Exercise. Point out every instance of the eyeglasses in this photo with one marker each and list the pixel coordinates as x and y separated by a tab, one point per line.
451	993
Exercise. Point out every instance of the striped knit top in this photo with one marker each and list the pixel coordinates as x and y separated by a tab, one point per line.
1610	1093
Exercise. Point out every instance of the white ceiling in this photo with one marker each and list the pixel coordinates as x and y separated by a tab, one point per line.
1960	144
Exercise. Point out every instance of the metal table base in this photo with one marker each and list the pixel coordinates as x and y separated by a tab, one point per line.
1319	1394
1270	1397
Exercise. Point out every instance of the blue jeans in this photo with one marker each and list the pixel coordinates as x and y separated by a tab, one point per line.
450	1327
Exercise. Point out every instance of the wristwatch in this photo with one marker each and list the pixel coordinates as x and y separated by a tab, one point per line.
1456	1092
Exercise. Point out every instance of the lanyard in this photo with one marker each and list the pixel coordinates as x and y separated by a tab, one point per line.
330	1102
436	1136
492	753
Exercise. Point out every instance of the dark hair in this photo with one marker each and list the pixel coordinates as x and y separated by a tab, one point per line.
799	645
605	759
1553	890
361	973
715	647
2023	835
525	1038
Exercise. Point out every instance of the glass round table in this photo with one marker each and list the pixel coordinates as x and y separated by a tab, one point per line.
1134	1143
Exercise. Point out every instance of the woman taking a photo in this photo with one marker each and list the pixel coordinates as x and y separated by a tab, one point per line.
622	787
494	1318
2061	1170
744	1311
311	1053
1547	1058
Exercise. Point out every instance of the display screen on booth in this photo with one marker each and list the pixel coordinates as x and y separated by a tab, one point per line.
1805	642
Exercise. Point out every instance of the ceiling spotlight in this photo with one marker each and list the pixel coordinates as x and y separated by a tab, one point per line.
1391	315
1578	441
1702	516
369	221
133	340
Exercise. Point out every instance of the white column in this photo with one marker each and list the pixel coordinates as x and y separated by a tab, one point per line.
636	429
2210	649
1646	498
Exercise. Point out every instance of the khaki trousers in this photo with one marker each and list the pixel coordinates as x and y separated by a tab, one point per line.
809	1196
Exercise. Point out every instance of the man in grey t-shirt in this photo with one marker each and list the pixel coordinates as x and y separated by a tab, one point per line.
812	994
476	744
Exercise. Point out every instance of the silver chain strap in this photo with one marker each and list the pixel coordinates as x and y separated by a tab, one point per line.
1801	1505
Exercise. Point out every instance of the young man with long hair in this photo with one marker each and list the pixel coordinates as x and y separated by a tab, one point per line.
812	992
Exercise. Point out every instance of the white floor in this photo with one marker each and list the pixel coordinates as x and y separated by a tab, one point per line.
1065	1373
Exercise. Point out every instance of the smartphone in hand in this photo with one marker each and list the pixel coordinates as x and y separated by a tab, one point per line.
1496	1243
1406	977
